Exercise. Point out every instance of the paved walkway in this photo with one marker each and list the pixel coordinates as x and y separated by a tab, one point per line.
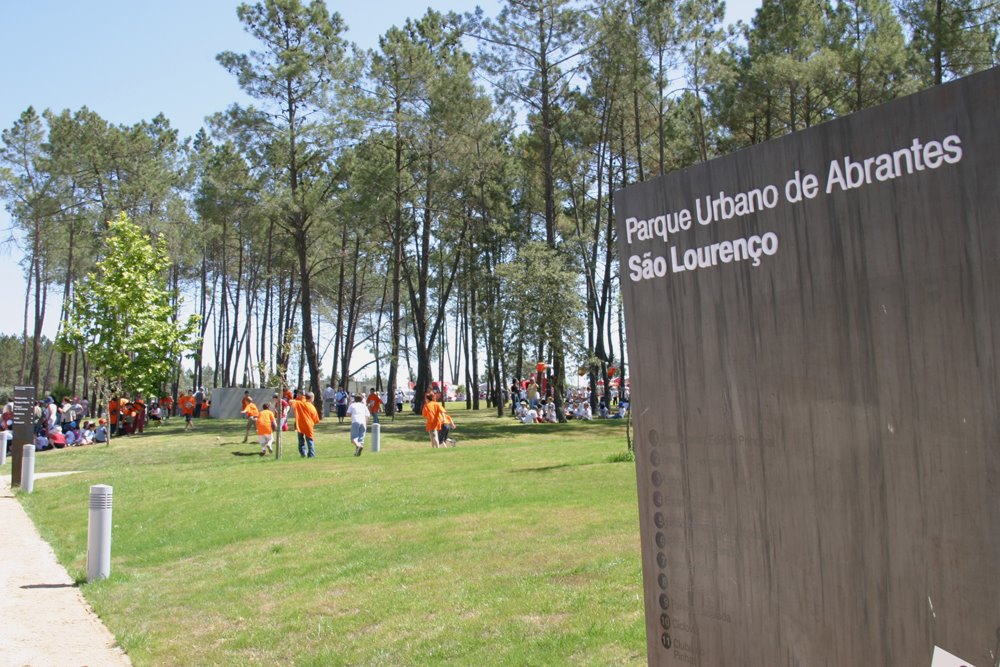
44	620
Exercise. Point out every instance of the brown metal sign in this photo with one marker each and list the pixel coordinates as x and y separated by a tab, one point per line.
814	328
24	410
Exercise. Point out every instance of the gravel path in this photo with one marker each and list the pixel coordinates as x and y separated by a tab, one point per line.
44	620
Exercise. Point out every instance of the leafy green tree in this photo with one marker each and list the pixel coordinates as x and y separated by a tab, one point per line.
121	316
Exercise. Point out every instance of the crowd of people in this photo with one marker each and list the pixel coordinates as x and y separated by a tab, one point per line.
306	417
69	422
57	424
72	422
531	405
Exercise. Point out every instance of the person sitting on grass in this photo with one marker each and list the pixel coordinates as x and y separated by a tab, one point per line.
154	413
550	411
522	411
56	437
41	441
87	434
101	433
530	416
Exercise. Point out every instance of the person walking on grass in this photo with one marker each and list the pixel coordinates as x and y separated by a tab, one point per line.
447	426
266	424
341	398
186	403
434	418
374	403
359	423
251	412
306	419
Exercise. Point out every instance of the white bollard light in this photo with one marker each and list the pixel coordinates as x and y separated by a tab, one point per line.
376	436
3	450
28	468
99	533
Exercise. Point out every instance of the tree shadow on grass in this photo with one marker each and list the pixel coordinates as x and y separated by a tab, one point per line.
548	468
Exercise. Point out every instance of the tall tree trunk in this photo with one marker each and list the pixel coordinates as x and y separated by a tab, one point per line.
24	330
474	338
464	349
353	309
338	333
67	302
396	260
203	313
41	296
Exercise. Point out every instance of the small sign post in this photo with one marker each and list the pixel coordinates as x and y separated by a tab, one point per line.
24	410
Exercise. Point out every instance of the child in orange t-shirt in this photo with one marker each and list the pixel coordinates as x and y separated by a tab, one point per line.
374	403
434	417
166	408
187	403
266	423
251	412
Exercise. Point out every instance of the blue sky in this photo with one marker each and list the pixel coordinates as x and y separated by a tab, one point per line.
129	60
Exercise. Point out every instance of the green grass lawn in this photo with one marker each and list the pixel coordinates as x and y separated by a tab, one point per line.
518	547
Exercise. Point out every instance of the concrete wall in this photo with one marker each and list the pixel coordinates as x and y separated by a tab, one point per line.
227	403
817	435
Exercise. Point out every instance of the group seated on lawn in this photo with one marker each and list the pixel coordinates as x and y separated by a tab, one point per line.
546	411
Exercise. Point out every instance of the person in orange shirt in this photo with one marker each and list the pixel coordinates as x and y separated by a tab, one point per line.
166	408
434	417
186	404
113	409
251	412
126	423
447	426
374	404
306	418
266	423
